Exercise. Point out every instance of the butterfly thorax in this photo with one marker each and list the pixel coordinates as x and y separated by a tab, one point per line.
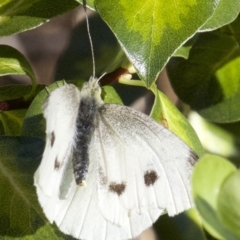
90	101
91	89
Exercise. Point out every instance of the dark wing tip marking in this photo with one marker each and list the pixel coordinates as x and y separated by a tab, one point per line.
192	159
52	138
150	177
57	164
117	188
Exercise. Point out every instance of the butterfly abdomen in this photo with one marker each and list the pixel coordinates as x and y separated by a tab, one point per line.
85	125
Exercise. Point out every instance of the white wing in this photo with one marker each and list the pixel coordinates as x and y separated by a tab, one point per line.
74	209
60	111
116	203
143	168
79	214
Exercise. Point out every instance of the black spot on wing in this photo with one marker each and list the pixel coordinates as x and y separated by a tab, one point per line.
117	188
150	177
52	138
192	159
57	164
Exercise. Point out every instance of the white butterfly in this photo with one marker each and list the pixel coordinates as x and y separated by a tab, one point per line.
133	167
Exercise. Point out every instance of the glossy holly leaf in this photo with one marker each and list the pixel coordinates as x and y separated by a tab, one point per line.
150	32
209	174
18	16
209	79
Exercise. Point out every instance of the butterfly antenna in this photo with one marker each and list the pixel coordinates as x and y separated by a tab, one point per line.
89	36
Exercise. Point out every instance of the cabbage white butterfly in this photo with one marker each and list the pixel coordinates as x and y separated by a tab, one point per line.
108	171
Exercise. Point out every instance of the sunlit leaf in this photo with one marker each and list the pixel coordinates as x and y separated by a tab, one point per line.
18	16
226	12
12	62
164	111
150	32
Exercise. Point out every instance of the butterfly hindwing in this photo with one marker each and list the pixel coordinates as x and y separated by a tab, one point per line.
79	214
143	166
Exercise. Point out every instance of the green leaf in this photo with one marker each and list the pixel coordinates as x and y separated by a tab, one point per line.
185	226
223	139
2	130
164	110
76	62
13	62
184	50
229	202
14	91
33	124
18	16
225	13
146	32
20	213
209	80
110	95
209	174
12	121
19	210
90	3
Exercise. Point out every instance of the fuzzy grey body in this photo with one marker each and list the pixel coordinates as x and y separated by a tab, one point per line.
85	125
86	120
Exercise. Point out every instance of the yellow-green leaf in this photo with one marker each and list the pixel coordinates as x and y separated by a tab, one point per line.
151	31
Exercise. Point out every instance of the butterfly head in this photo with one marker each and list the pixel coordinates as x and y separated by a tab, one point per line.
93	90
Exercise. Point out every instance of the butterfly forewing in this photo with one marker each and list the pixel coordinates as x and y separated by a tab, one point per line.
60	110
